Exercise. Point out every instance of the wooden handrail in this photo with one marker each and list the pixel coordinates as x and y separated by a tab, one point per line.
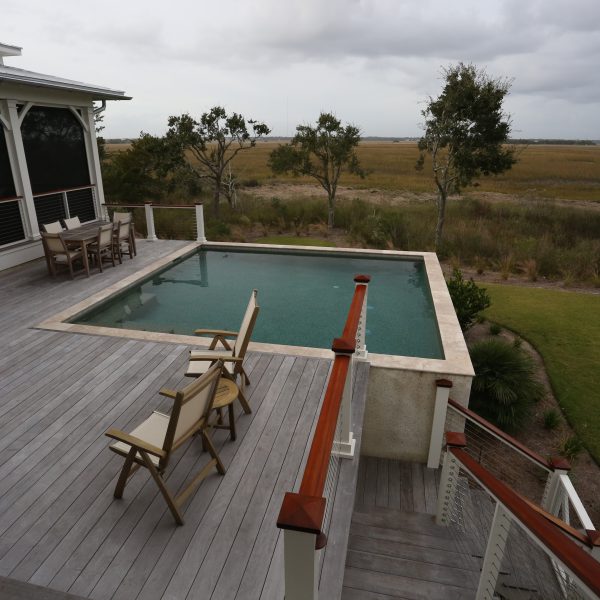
511	441
315	472
305	510
9	198
579	562
351	326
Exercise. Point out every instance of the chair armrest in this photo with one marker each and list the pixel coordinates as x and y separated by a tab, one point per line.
195	355
136	442
168	393
222	332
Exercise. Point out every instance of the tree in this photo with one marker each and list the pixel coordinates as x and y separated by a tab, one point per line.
465	132
149	169
214	142
322	152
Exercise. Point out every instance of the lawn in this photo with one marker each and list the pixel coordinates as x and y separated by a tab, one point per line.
565	329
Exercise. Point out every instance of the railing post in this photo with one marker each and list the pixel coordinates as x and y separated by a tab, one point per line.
492	560
65	202
151	233
301	518
553	492
440	408
361	332
344	441
200	233
449	479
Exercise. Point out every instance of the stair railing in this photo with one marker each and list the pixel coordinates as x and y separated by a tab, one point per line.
302	514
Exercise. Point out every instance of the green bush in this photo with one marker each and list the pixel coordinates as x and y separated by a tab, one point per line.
551	418
571	447
504	386
468	299
495	329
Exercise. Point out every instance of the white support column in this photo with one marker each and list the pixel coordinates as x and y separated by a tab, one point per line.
151	233
200	234
16	152
344	442
94	159
448	479
301	565
492	561
553	491
361	333
436	440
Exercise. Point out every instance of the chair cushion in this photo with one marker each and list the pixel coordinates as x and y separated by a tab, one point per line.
152	430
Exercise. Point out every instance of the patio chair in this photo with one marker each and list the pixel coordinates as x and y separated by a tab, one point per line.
127	217
122	240
57	253
55	227
151	444
72	223
103	247
200	360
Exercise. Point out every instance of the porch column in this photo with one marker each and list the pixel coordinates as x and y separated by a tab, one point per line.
16	153
93	157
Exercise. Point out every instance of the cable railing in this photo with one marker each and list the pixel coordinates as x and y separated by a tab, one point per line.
164	221
511	547
305	515
544	481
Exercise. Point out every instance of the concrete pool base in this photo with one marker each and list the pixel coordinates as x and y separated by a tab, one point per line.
402	389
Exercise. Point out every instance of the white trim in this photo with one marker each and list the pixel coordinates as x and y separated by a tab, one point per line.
23	112
75	111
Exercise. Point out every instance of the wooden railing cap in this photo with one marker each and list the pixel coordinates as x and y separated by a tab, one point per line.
445	383
343	346
593	536
362	278
301	513
456	439
558	462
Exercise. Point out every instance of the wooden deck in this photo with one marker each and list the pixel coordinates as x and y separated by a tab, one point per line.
60	527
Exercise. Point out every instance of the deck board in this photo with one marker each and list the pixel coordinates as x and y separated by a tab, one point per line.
60	527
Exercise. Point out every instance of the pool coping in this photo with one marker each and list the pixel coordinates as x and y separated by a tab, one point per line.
457	361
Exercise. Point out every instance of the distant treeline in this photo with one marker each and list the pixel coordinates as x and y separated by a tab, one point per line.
556	142
372	138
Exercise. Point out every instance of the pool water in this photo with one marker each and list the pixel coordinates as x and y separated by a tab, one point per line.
303	297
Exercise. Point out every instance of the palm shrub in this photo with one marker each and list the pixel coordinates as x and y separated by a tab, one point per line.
505	386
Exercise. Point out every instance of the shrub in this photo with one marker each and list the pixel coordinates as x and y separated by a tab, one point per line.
468	299
504	386
571	447
495	329
551	418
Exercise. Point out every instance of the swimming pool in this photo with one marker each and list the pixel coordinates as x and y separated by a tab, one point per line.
304	299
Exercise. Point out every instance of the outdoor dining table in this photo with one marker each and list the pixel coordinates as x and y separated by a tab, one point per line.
83	235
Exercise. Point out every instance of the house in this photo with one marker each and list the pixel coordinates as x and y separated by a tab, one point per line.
49	164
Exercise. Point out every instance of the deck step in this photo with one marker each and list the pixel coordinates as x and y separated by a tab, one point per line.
396	554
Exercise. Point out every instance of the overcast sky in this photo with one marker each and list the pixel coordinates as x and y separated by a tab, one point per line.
371	62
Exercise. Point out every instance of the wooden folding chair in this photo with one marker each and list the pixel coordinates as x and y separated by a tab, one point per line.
151	444
200	360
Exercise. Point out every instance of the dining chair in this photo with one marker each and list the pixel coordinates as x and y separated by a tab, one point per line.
58	254
72	223
103	246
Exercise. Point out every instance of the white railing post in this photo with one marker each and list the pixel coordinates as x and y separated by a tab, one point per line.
492	560
151	235
66	204
344	442
200	233
361	332
301	518
553	491
449	479
440	408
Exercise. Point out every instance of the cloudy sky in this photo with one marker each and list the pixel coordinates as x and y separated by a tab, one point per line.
371	62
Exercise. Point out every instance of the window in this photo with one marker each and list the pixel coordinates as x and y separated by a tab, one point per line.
55	149
7	185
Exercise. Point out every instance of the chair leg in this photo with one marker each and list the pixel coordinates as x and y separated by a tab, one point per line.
163	488
231	422
207	443
124	476
71	269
